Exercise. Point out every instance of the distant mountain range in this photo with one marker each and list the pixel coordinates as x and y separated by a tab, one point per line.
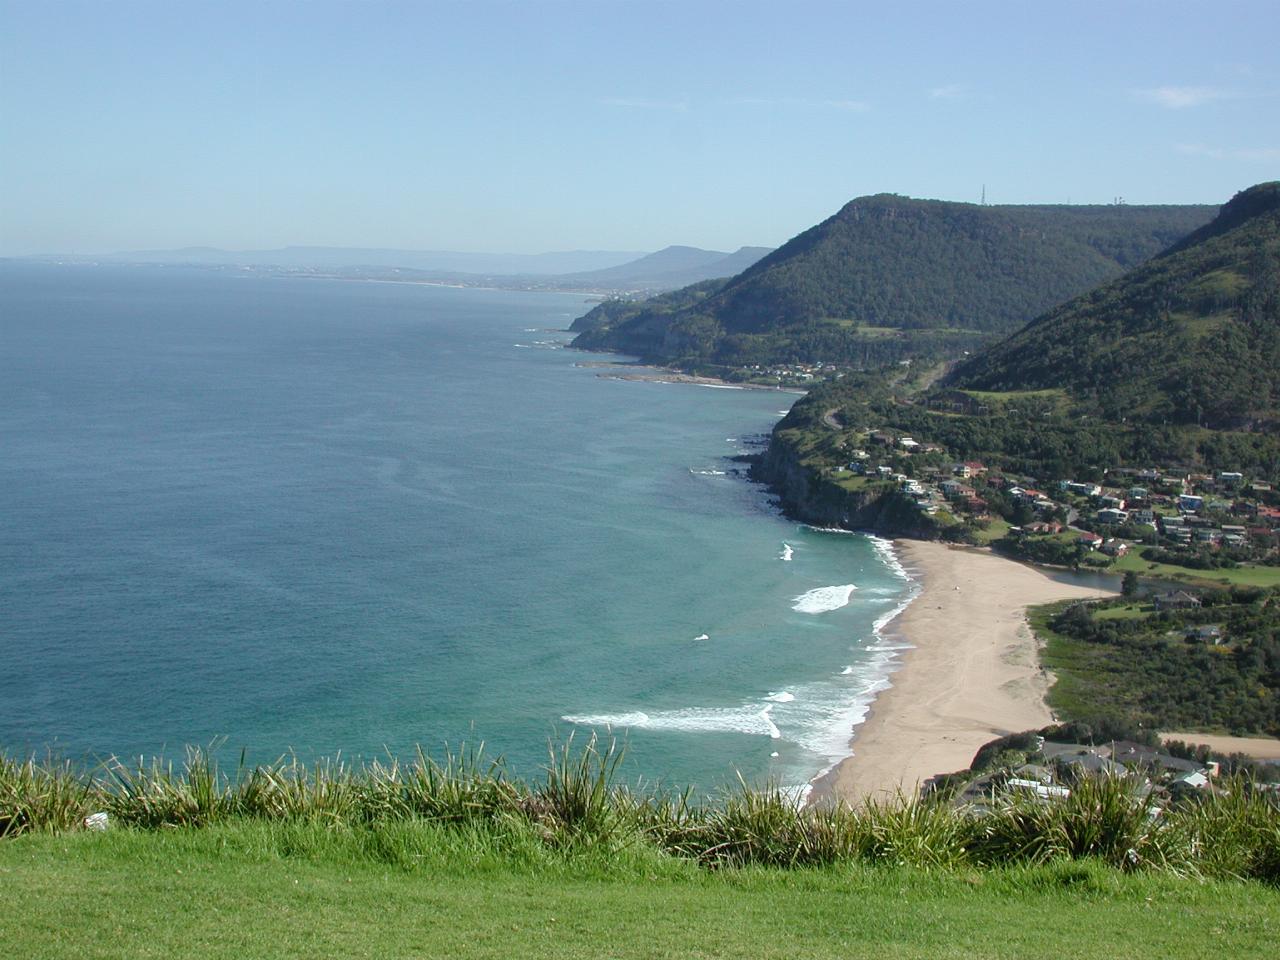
1190	337
889	276
587	270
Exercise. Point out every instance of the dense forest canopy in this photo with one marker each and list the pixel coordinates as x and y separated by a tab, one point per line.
1191	337
889	277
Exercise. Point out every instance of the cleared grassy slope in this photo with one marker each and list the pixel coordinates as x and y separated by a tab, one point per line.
289	890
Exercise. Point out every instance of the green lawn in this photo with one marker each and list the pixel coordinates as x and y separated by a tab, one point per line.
1128	611
994	530
259	891
1239	576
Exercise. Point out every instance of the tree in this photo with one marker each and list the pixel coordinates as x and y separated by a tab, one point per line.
1129	584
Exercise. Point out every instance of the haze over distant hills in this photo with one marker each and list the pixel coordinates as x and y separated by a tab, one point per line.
889	276
450	261
609	271
677	266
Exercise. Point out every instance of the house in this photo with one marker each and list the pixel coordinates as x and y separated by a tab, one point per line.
1045	791
1143	516
1177	600
1090	540
1107	502
1189	781
1188	503
1230	480
1128	752
908	444
1081	489
1208	633
1039	526
1114	547
962	470
1112	515
976	468
1138	493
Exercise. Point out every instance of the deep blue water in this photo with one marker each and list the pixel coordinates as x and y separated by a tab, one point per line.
329	516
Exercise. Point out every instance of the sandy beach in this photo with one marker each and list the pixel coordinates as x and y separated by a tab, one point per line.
972	674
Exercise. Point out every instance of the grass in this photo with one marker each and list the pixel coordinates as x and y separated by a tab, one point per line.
1124	611
1243	576
434	858
996	528
265	890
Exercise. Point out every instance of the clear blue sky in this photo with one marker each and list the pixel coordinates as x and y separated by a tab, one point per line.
533	126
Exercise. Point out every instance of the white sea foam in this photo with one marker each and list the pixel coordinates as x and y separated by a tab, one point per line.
885	549
840	530
823	599
774	732
749	719
817	719
884	620
787	552
702	636
708	473
720	386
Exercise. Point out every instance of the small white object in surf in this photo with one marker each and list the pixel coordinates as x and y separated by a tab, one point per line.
702	636
782	696
823	599
786	552
774	754
708	473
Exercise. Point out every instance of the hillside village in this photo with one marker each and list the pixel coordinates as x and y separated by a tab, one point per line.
1140	520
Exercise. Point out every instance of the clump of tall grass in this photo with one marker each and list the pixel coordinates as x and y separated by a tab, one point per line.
1102	819
578	807
462	788
49	795
578	802
1231	833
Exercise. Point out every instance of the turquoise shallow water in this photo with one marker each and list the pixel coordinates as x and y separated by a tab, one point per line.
327	516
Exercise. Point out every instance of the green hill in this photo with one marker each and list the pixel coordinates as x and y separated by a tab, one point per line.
1192	337
889	276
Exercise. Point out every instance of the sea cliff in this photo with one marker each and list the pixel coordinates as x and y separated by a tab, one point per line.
806	494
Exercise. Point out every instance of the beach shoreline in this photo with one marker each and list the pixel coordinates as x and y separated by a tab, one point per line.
969	673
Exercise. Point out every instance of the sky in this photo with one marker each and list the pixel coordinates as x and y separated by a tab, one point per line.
540	125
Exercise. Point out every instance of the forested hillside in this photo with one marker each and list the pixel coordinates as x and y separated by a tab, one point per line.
889	277
1192	337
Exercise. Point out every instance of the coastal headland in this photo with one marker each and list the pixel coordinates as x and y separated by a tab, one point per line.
969	672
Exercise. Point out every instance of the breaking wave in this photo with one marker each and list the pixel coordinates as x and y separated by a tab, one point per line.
823	599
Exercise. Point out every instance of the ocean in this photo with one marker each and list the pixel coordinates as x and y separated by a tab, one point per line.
348	518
